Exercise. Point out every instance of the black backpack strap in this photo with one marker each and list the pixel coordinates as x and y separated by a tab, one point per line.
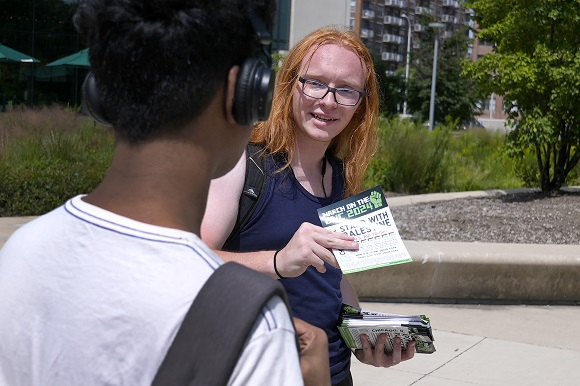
253	187
212	335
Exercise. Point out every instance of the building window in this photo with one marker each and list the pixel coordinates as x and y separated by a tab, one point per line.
484	104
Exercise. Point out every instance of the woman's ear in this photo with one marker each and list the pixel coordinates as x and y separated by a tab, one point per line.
230	93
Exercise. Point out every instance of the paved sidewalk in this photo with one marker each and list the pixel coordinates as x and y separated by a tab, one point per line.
9	224
486	345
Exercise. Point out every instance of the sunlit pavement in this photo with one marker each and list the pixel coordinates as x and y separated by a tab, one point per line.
486	345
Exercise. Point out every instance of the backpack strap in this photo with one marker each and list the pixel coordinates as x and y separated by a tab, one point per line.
213	333
254	185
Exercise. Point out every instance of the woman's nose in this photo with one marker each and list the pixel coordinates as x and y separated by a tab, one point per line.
329	100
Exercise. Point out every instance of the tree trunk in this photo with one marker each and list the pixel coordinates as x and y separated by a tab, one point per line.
544	165
562	165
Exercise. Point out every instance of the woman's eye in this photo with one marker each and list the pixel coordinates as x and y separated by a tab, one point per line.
316	84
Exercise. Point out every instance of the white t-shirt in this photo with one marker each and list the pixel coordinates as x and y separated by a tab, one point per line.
88	297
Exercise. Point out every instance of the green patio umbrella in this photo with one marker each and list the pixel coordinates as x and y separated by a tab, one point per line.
72	63
78	59
8	54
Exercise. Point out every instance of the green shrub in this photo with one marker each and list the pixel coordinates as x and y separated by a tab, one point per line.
48	156
414	160
478	162
410	159
34	187
526	169
574	177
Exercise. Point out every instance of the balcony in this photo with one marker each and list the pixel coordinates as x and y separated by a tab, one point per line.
368	14
450	3
395	3
393	20
388	38
391	57
423	11
447	34
447	18
367	33
419	27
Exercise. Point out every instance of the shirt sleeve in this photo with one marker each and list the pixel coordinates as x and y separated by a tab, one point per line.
270	356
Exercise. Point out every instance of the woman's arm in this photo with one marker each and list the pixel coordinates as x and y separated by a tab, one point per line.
222	205
220	218
310	244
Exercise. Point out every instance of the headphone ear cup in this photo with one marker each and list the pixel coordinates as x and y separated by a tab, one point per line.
254	92
92	100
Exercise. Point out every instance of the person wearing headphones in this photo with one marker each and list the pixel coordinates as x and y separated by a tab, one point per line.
317	144
93	292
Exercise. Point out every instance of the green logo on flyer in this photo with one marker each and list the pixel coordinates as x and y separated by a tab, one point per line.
376	199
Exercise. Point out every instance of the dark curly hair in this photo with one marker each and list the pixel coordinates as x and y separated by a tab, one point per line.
158	63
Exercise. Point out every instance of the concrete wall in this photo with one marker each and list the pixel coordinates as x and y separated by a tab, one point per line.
309	15
477	272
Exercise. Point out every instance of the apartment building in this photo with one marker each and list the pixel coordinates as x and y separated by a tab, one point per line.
388	26
492	111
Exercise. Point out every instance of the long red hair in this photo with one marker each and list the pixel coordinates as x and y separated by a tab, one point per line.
357	143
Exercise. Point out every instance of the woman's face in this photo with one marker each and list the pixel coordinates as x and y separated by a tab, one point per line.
323	119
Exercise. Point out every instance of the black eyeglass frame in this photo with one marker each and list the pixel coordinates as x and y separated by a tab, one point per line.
333	90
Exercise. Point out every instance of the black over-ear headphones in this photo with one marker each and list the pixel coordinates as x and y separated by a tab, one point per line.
254	85
92	101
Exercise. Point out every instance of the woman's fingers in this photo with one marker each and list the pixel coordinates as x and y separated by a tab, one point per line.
312	245
376	356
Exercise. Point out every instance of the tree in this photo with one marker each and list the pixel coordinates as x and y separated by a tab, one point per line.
391	88
536	67
455	97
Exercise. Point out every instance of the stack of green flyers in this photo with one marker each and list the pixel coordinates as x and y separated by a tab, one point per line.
355	321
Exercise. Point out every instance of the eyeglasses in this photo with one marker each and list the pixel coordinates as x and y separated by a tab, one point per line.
342	95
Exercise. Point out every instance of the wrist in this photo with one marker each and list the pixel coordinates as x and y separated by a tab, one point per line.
276	267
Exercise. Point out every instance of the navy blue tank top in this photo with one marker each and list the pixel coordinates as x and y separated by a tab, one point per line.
315	297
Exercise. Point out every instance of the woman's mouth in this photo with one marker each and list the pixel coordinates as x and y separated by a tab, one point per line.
318	117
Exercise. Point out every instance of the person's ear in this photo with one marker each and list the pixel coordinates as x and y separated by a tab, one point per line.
230	93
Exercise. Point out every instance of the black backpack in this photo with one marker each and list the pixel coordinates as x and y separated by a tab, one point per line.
212	335
254	185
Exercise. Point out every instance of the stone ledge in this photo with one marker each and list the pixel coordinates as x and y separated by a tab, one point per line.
477	272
